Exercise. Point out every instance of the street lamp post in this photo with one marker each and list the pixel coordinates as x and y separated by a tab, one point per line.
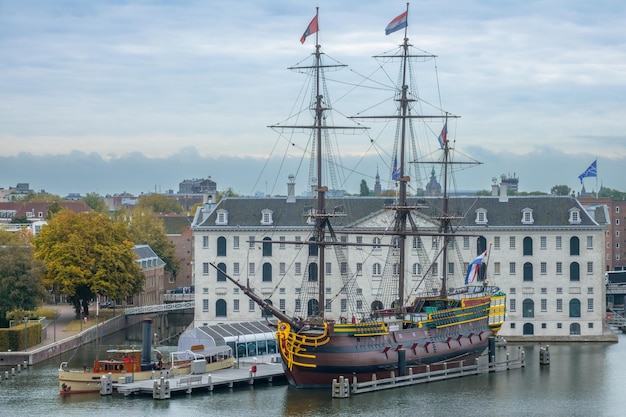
54	322
25	334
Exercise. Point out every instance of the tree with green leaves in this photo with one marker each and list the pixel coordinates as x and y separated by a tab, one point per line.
87	254
96	203
229	192
159	203
147	229
365	190
21	285
560	190
37	197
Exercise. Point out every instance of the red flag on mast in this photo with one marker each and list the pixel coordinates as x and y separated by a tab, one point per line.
311	29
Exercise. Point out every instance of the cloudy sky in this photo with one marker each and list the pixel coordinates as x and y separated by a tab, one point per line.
113	96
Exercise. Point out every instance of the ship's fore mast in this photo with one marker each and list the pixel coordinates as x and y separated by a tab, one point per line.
319	126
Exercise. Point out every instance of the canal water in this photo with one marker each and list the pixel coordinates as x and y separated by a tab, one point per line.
581	380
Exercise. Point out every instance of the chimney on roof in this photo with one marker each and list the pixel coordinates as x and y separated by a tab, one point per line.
504	197
291	189
494	190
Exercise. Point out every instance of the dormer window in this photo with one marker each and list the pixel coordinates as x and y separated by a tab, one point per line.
266	217
574	216
222	217
481	216
527	216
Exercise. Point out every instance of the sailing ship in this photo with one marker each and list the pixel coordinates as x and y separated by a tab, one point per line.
129	365
441	325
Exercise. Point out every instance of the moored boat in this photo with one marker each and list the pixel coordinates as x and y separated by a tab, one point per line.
129	365
431	325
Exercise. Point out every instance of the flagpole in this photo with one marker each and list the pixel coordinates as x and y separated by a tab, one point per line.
406	28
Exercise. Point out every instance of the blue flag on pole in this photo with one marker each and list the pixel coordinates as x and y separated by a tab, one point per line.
592	171
395	174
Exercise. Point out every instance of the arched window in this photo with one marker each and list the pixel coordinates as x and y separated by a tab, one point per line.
265	312
267	272
221	246
312	248
312	308
267	246
574	307
220	275
528	308
220	308
376	269
574	246
481	245
574	271
574	329
312	272
377	305
528	271
529	329
528	246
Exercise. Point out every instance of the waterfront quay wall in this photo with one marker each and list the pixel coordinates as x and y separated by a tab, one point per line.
50	350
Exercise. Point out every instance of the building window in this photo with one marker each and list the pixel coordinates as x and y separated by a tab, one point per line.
496	242
417	242
512	304
589	268
559	268
574	308
559	305
559	243
205	268
329	268
205	305
590	304
282	304
511	242
298	241
222	217
512	268
282	241
574	216
298	268
267	272
282	268
543	243
298	305
267	246
496	268
528	246
343	268
266	217
376	243
589	242
236	268
235	242
481	216
221	246
450	268
205	242
434	244
574	271
417	269
359	269
544	268
359	242
466	242
221	272
376	269
574	246
251	306
527	216
344	305
236	306
251	268
251	244
528	271
544	305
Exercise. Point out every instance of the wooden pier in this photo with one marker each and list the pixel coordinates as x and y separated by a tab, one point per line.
162	388
342	388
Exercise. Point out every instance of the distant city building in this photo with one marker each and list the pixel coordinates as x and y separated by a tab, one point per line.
178	230
197	186
73	197
117	201
153	269
36	211
433	188
512	182
378	189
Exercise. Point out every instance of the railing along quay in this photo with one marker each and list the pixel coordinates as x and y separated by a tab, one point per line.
159	308
342	388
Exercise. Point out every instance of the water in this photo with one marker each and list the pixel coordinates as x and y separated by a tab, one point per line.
581	380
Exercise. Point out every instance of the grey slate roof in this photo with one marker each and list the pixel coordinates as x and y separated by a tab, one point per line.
145	252
548	211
